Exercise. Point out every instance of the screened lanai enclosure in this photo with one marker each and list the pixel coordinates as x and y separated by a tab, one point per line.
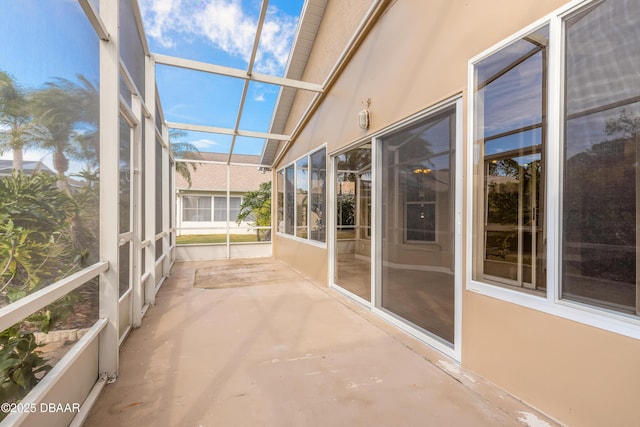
88	188
86	220
463	175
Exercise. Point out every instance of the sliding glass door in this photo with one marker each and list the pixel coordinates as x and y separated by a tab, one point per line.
417	242
396	242
353	221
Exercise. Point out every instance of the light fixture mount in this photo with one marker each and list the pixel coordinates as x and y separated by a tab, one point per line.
364	116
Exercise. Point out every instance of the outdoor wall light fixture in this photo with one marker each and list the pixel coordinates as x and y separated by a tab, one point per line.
364	116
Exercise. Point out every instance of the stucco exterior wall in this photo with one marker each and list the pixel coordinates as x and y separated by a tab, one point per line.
416	56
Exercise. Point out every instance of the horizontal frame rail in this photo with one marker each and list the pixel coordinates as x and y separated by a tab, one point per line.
40	391
25	307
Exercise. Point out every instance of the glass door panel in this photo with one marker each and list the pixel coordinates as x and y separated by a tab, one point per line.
353	221
418	228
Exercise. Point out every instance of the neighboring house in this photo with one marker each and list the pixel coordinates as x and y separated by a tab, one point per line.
202	208
28	168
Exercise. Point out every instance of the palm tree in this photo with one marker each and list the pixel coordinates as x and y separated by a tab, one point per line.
17	130
60	107
183	150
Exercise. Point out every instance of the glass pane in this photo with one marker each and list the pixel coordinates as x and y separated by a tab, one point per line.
418	243
201	98
353	209
125	176
600	177
280	201
196	208
37	343
124	254
49	139
509	129
289	200
220	208
131	50
318	195
302	194
159	179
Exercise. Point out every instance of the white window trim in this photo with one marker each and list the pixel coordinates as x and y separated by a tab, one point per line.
294	163
551	303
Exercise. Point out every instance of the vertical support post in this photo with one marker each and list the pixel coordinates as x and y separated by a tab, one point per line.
228	210
149	166
136	223
109	182
166	199
173	217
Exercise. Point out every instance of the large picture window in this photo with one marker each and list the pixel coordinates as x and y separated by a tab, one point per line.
302	197
600	169
556	165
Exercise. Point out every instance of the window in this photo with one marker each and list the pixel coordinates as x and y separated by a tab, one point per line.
196	208
318	193
302	197
220	208
280	201
600	191
289	206
510	128
555	166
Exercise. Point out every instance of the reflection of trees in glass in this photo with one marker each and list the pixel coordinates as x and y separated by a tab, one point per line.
48	234
346	212
351	166
69	112
503	191
61	117
17	131
45	234
600	203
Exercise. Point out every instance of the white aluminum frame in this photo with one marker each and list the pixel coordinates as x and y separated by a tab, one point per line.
453	350
294	163
551	303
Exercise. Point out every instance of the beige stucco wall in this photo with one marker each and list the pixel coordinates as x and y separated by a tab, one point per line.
416	56
580	375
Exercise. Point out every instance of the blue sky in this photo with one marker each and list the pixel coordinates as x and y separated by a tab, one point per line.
38	43
220	32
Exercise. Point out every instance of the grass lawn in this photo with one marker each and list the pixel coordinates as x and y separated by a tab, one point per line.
215	238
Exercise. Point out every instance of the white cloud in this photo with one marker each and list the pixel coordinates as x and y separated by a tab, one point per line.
202	144
223	23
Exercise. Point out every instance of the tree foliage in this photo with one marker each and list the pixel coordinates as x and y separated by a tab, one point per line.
184	150
256	209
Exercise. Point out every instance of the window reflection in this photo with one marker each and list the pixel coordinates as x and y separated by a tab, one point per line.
353	221
600	177
289	221
417	192
318	193
510	129
49	145
302	197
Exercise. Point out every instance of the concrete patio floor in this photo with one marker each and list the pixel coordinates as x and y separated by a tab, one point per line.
287	353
